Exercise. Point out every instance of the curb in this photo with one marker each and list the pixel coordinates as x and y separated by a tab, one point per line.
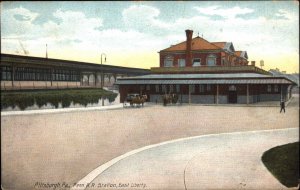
62	110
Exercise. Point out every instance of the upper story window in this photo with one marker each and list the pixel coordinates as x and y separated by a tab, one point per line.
6	73
168	62
211	60
181	62
196	62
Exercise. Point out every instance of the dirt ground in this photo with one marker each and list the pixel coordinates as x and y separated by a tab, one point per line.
64	147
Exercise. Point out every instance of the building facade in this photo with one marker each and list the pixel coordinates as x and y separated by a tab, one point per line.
208	73
25	72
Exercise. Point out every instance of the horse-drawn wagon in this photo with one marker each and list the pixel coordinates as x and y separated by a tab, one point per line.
135	100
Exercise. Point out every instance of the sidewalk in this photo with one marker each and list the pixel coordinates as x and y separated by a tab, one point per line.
258	104
62	110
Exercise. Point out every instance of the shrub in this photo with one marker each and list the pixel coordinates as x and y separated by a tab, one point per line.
112	97
54	99
41	100
66	100
24	99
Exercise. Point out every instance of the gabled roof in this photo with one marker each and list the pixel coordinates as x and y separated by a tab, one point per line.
228	46
242	54
219	44
198	43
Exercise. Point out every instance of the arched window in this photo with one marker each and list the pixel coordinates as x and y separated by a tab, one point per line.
211	60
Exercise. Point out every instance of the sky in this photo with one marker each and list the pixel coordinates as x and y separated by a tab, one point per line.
131	33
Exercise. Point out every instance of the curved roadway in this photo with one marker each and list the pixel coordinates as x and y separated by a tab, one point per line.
221	161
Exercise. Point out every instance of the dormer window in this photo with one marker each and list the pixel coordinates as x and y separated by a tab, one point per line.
168	62
196	62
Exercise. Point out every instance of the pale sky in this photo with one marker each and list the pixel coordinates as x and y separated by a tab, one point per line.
131	33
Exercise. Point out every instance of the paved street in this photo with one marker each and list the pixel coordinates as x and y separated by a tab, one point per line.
225	161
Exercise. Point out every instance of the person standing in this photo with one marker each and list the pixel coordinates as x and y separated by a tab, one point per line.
282	106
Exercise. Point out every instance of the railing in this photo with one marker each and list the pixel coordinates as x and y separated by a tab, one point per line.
209	69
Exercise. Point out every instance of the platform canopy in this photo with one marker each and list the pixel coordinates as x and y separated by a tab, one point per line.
219	81
241	78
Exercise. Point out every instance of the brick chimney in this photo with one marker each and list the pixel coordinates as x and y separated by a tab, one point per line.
188	53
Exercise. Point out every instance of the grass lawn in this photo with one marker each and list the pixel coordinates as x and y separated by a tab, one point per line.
283	163
26	98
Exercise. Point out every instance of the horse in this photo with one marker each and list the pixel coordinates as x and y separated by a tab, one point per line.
138	100
170	98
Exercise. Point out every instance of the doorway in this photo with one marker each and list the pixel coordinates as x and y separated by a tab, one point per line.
232	95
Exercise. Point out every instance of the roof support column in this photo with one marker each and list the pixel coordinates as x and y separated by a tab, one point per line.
102	79
217	99
281	99
51	77
13	75
247	94
190	94
102	85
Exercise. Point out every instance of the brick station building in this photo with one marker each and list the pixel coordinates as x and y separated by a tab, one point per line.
209	73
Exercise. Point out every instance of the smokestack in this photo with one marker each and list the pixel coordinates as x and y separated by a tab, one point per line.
188	53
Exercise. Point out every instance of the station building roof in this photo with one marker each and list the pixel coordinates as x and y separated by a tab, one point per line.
190	76
226	78
214	81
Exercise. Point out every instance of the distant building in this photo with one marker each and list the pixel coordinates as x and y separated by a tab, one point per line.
293	77
207	72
